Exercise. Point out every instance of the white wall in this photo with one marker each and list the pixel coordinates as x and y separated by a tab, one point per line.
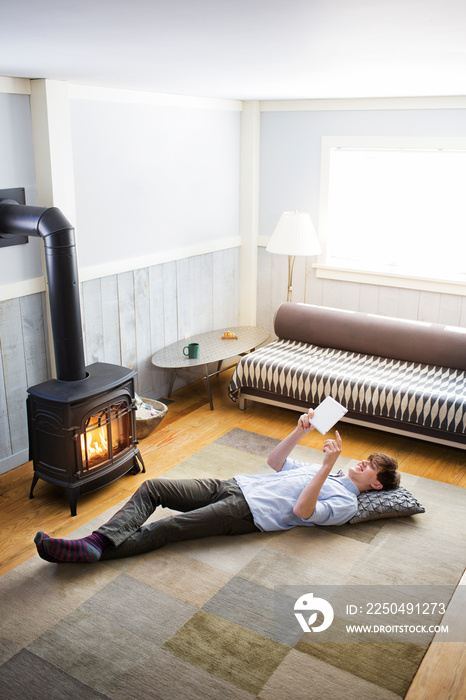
153	179
290	179
291	149
21	262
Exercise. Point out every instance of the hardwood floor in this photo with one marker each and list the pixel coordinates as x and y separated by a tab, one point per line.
189	426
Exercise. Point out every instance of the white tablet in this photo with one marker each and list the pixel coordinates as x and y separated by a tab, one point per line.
327	414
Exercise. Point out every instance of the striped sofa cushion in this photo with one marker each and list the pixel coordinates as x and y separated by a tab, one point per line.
434	397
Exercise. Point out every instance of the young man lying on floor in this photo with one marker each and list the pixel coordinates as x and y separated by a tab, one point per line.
297	494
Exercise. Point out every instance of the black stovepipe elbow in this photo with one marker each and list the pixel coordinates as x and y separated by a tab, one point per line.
62	277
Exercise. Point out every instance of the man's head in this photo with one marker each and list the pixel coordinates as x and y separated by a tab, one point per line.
377	472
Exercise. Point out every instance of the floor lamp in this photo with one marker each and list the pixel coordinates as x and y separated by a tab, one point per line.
294	235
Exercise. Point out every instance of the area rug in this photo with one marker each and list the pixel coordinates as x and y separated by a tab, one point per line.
197	619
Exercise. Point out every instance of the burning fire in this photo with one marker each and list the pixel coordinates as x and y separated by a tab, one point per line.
96	442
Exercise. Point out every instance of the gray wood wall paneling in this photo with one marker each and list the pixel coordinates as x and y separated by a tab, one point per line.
23	363
430	307
143	329
92	320
5	440
206	292
127	320
170	315
111	319
157	326
14	368
34	338
220	304
184	319
225	275
195	295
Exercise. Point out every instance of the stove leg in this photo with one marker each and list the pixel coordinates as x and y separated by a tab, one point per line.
136	468
139	457
72	495
35	479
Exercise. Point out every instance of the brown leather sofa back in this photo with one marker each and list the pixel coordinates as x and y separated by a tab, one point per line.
414	341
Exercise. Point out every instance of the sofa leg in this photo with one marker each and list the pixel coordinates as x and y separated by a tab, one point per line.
242	404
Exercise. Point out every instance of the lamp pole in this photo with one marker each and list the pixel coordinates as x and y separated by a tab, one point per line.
291	262
294	235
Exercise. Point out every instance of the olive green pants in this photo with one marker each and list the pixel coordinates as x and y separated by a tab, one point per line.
207	507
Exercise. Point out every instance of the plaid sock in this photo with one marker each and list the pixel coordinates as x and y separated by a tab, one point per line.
88	549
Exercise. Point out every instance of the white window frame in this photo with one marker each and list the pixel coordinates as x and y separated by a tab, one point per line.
325	270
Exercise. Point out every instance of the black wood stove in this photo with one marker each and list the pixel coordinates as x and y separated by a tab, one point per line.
82	428
82	433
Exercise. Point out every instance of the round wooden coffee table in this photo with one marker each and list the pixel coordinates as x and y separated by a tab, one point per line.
212	349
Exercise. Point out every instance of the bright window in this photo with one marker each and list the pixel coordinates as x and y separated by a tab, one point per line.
400	211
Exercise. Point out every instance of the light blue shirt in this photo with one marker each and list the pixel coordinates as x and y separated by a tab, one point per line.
272	497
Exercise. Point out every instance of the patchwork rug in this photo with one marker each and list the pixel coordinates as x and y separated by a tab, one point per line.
196	619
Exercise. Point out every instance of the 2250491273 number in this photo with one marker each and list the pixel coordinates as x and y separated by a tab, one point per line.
405	608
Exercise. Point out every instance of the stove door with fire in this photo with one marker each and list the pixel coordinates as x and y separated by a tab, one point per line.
105	434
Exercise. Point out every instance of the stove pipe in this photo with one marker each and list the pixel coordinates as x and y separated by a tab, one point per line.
62	275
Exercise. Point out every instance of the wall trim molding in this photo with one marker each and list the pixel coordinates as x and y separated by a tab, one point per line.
249	210
98	94
13	461
22	289
22	86
364	103
164	256
381	279
15	86
33	286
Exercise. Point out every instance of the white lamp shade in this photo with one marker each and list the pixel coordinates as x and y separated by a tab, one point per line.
294	235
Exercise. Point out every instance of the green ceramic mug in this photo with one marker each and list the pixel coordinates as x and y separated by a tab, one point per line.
191	350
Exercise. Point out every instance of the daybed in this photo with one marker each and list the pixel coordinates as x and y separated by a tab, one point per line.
402	376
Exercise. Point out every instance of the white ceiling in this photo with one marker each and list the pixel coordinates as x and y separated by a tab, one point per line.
241	49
